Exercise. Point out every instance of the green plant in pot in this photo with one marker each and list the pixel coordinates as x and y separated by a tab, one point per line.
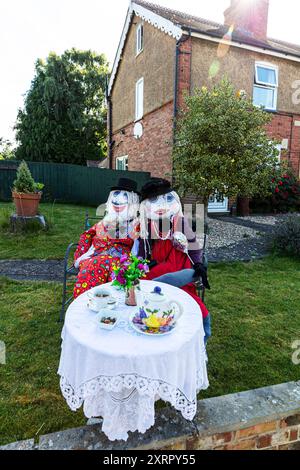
26	192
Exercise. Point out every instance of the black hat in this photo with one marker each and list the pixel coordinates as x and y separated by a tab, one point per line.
126	184
155	187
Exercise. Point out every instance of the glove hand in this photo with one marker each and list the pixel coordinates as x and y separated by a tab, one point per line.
152	264
201	271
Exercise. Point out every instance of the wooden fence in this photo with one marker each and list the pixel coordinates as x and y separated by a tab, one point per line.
68	183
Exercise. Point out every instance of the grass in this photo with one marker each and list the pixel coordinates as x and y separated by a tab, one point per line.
66	224
256	318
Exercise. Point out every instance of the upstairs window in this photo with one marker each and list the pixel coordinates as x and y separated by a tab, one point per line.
139	38
265	86
139	99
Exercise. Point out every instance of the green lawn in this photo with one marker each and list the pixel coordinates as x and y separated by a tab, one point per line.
67	223
255	311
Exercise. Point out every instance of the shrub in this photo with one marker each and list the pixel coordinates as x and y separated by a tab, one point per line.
287	236
286	192
24	183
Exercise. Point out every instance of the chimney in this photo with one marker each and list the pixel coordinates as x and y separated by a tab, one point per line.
249	17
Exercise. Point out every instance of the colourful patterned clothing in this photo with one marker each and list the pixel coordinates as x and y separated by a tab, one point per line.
97	269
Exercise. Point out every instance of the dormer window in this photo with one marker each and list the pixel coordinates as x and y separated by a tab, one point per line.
265	86
139	38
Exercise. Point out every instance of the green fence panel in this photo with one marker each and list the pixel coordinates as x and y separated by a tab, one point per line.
68	183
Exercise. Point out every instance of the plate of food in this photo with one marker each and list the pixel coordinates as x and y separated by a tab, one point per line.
151	324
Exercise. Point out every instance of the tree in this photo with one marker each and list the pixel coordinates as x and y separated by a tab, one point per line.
7	152
64	117
221	145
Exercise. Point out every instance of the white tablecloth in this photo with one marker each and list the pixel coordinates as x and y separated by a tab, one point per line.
119	374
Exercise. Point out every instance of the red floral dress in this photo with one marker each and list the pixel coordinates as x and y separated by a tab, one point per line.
97	269
171	260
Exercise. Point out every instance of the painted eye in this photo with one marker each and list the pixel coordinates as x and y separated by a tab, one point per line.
125	195
153	199
170	198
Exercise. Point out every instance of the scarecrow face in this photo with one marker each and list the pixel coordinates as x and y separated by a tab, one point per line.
162	207
118	204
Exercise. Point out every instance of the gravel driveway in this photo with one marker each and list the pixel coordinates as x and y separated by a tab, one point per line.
229	239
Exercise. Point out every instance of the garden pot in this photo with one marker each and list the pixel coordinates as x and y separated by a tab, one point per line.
26	203
243	208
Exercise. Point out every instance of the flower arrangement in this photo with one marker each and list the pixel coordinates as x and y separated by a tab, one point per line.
129	271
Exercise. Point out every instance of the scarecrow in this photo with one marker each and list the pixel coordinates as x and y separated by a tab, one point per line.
168	242
103	245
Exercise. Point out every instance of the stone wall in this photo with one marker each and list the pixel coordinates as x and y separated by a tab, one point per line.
262	419
155	64
211	62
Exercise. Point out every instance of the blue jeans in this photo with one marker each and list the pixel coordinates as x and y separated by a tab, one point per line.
178	279
207	328
181	279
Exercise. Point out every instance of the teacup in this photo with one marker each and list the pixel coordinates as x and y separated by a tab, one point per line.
101	298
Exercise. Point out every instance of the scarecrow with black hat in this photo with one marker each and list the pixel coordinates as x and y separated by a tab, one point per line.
106	242
169	243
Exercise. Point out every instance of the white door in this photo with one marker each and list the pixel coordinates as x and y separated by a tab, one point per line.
217	203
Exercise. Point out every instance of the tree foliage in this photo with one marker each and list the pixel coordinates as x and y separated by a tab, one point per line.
64	118
221	145
7	152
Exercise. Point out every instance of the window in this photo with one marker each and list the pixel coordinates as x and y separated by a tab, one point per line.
279	151
122	163
265	86
139	99
139	38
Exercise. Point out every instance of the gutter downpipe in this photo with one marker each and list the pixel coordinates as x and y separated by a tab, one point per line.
175	112
177	54
178	42
110	144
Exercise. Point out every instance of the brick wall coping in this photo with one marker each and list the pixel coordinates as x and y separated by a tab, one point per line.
222	416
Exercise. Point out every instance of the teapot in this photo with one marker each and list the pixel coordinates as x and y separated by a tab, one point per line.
156	310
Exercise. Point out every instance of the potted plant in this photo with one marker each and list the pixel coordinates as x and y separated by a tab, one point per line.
26	193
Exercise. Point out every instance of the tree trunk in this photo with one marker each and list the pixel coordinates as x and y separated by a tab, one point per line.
243	209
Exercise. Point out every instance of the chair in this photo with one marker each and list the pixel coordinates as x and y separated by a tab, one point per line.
199	285
69	268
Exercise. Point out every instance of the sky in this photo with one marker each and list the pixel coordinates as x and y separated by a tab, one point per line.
30	29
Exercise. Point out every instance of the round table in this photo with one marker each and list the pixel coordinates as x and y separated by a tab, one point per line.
119	374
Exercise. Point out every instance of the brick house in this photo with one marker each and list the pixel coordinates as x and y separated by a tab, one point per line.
164	53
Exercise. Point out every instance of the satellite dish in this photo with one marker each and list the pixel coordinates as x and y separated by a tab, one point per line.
138	130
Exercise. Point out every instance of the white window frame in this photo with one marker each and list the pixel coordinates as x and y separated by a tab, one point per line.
279	149
139	105
124	163
139	39
266	85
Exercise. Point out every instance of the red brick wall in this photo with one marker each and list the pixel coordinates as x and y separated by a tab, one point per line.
252	17
153	152
283	127
281	434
